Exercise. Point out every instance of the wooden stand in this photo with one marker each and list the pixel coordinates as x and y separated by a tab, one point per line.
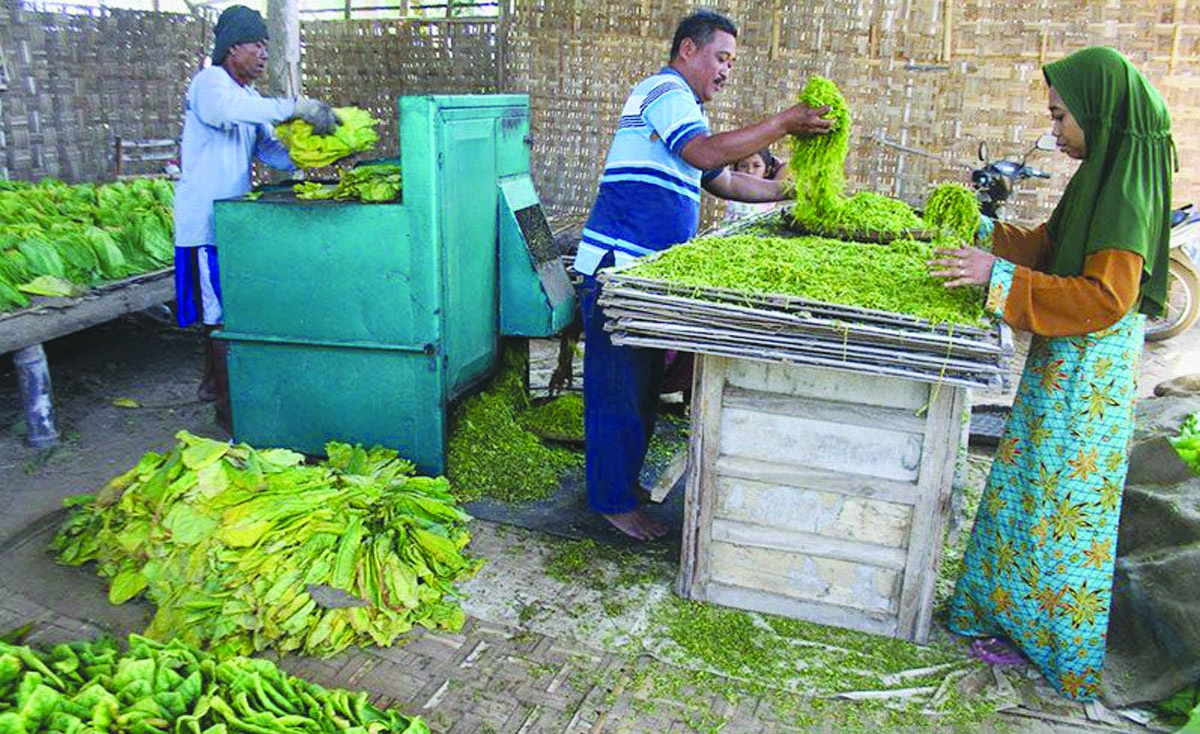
819	494
50	318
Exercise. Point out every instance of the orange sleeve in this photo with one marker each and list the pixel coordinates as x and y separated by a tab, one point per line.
1026	246
1054	305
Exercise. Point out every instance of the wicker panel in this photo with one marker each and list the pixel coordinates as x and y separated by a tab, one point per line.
926	80
371	63
78	80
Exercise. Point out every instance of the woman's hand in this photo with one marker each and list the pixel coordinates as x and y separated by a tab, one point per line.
962	266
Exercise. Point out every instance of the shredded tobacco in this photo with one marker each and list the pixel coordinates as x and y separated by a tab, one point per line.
490	454
892	278
953	211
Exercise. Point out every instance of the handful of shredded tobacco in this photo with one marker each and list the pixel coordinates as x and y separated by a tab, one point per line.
953	211
818	163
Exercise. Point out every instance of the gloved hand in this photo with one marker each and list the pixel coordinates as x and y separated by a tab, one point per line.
318	114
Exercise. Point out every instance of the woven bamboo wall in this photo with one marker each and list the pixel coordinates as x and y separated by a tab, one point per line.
926	75
371	63
75	81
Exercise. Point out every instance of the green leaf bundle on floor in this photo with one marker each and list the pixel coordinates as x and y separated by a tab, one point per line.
243	549
155	688
1187	443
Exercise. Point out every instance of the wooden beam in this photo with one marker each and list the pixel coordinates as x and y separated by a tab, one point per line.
947	30
1174	49
283	63
50	318
776	29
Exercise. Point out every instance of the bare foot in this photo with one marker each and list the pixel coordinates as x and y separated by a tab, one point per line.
637	524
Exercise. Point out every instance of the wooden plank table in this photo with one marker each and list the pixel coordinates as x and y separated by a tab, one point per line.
23	333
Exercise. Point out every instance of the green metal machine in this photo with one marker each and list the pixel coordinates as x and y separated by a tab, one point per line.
363	322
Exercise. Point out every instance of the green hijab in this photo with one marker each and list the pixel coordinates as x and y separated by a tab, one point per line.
1120	197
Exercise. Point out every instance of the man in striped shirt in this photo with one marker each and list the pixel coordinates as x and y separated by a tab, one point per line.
649	199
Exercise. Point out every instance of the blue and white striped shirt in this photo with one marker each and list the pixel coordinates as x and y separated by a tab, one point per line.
649	196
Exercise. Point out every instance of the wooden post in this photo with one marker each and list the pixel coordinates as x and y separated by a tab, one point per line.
819	494
1174	49
283	64
947	30
776	29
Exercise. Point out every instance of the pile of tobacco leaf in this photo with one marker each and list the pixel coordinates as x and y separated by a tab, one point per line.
56	239
243	549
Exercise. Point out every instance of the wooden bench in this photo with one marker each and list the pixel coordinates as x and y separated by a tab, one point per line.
134	158
23	332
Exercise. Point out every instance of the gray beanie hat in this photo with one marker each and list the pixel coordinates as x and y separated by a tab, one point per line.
237	24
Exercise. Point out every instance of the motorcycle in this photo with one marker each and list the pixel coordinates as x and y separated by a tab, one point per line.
1183	278
994	181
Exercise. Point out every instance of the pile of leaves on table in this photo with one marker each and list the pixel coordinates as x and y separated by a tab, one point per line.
243	549
952	211
154	688
355	133
374	183
57	239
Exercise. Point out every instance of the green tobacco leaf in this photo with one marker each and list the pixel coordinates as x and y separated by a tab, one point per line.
51	286
203	452
188	526
125	586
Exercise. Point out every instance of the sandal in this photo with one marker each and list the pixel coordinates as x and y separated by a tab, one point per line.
997	651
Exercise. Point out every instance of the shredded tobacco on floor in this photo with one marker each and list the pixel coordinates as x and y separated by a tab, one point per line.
490	454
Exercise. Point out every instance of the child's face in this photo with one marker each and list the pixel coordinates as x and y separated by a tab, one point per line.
753	165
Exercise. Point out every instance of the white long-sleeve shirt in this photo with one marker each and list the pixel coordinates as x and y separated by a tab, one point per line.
225	126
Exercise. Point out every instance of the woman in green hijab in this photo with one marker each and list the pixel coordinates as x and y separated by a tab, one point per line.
1038	567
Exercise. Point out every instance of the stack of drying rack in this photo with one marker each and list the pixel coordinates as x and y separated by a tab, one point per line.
651	313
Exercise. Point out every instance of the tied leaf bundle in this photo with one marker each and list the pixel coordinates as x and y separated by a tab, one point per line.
53	235
154	688
376	183
818	166
952	210
892	278
243	549
354	134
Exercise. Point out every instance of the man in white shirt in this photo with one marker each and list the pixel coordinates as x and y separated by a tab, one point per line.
227	124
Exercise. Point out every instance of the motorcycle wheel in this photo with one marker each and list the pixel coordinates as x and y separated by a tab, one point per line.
1183	301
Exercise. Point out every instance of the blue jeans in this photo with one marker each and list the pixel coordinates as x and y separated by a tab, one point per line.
620	394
